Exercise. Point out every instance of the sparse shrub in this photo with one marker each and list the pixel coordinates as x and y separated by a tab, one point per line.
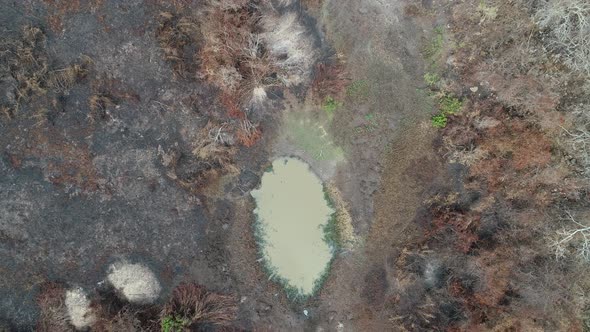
211	157
191	305
579	139
329	80
566	24
248	134
575	237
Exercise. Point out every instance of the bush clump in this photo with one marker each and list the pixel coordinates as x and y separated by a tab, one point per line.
192	305
566	27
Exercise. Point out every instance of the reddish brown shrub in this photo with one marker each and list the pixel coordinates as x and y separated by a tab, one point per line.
329	81
248	134
53	313
196	304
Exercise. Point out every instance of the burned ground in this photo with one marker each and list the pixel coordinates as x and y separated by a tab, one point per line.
135	131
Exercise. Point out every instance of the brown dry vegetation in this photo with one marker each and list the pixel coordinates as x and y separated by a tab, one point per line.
199	306
24	67
211	157
179	38
196	306
490	236
53	316
329	81
233	57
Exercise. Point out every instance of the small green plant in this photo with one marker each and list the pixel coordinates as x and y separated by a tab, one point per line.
173	324
439	120
331	105
431	78
447	105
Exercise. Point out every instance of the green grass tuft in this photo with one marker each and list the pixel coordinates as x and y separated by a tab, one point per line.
447	105
173	324
439	120
450	105
431	79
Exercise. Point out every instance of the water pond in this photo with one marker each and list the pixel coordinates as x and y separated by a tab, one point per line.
292	217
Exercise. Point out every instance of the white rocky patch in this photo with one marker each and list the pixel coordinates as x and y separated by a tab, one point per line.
135	282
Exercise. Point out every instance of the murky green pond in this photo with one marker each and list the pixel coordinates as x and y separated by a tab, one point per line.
292	213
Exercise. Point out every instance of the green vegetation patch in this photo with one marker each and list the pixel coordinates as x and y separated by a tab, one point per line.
173	324
331	105
431	79
447	105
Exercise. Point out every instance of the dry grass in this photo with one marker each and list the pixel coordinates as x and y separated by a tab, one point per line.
179	37
62	80
290	45
567	26
125	319
233	57
198	306
25	62
53	312
248	47
212	156
99	105
346	236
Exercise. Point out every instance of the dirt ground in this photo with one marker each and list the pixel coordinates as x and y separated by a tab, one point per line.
104	169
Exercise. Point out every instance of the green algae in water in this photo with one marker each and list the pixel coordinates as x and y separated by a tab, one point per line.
292	215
